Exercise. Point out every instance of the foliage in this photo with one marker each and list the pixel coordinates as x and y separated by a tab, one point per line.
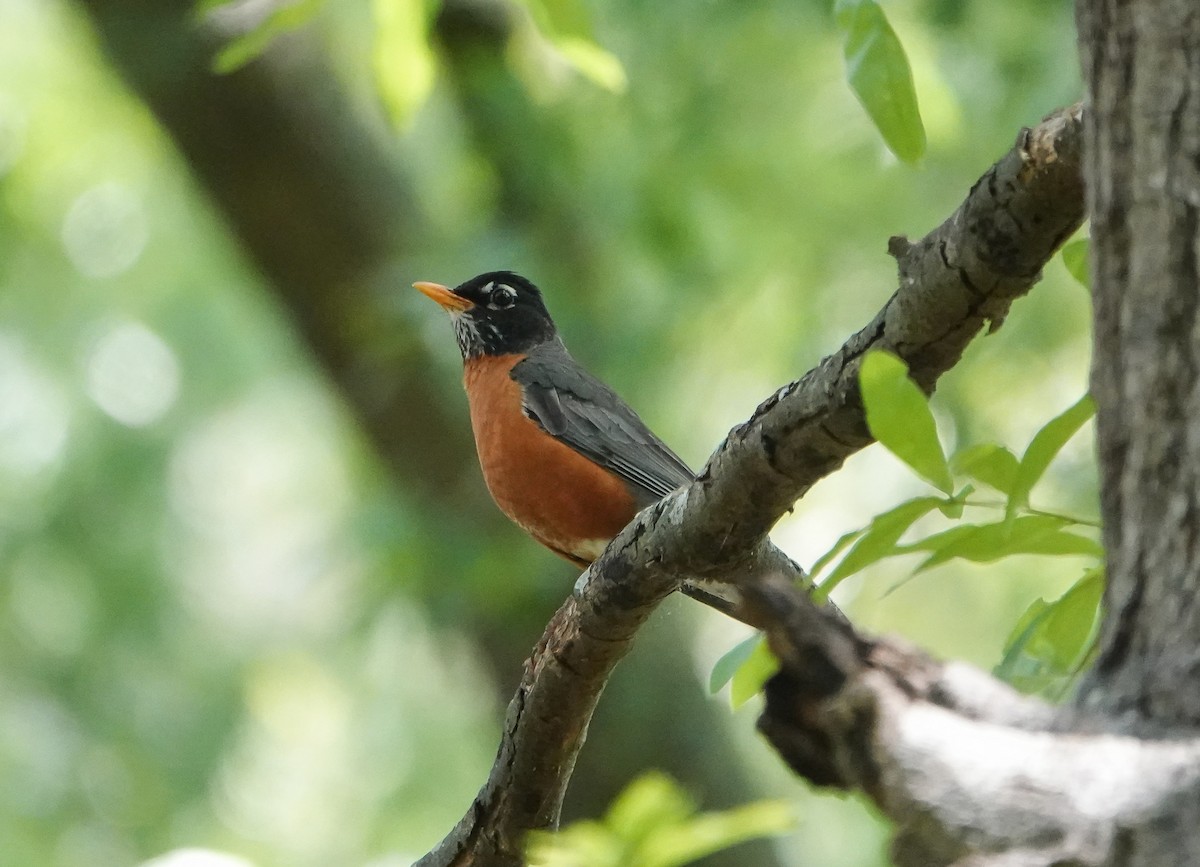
654	823
1053	641
878	71
1075	258
1046	443
1056	634
1050	642
899	417
564	28
405	64
877	67
249	45
746	668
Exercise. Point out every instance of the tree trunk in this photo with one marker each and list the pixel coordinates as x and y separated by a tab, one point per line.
1142	64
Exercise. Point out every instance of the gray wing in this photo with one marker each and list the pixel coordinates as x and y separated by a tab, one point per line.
576	408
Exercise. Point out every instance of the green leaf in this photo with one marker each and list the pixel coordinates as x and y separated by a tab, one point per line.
878	540
953	507
1051	641
567	26
1062	544
838	547
985	543
728	664
583	844
754	672
937	541
1046	443
899	417
242	50
654	823
594	63
404	62
878	71
1075	258
557	18
712	832
650	803
251	44
1065	632
991	464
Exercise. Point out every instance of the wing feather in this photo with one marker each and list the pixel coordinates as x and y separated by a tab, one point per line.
578	409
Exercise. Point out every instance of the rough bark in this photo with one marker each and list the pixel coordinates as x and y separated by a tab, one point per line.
971	773
966	273
1142	62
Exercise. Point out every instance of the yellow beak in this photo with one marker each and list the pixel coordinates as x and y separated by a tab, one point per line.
444	296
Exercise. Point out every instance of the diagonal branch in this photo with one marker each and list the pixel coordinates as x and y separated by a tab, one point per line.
964	274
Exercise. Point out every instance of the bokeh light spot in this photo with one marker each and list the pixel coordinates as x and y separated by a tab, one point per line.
33	413
132	374
262	494
105	230
52	602
39	747
12	133
197	858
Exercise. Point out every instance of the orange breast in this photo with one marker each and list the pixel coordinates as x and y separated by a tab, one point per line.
559	497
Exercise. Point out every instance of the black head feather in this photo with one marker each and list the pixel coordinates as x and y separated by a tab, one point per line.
506	315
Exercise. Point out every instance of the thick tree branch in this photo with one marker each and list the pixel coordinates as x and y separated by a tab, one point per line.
1143	67
547	719
972	772
964	274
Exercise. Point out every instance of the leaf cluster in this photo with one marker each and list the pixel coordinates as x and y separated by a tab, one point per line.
655	823
877	68
1051	641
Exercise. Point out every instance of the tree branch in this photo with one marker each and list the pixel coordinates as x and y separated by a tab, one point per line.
964	274
972	772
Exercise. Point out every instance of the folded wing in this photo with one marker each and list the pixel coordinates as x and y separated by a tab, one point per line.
578	409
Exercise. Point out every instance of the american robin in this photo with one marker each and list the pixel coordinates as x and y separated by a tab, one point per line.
562	455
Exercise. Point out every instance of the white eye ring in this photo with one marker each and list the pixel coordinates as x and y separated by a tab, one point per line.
501	297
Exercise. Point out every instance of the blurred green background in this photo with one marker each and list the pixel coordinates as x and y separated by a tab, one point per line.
254	597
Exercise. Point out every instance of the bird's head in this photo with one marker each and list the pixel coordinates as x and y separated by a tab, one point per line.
497	313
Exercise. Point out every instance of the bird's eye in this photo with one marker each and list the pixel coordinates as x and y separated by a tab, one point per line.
502	297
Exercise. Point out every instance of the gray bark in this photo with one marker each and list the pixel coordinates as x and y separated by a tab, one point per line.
971	772
1142	61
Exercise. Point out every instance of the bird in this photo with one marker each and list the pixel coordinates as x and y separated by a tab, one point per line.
563	456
